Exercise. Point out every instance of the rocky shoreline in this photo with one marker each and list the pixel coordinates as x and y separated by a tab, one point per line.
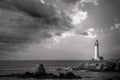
94	66
40	73
99	66
90	66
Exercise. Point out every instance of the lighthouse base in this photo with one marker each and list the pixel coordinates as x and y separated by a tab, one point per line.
98	58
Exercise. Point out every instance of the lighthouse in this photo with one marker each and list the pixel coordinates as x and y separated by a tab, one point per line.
96	53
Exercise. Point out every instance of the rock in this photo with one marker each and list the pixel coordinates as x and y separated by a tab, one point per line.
99	66
40	69
40	72
70	75
61	75
51	76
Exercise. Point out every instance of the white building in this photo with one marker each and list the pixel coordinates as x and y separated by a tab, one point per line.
96	53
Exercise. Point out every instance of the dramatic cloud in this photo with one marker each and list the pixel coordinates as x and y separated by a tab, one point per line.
90	33
30	21
95	2
31	24
77	16
57	39
115	27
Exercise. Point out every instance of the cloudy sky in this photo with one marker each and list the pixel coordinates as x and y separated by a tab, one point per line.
58	29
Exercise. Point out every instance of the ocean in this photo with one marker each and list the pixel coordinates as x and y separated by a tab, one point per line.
7	67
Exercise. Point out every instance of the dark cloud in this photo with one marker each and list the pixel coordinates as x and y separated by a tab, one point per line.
71	1
85	33
25	22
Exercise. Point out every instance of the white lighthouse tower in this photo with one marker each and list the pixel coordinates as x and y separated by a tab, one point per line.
96	54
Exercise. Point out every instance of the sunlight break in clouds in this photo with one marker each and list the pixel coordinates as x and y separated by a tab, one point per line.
57	39
52	42
91	30
42	1
90	33
76	15
115	27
